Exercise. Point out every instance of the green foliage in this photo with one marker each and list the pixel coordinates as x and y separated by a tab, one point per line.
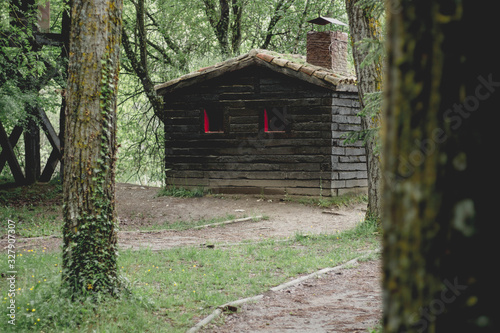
181	192
374	50
377	7
29	75
140	158
330	202
180	39
42	306
377	329
373	104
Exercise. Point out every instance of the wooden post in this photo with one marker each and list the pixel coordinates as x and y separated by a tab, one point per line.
32	150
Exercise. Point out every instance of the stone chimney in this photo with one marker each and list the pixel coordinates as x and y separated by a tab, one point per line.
328	49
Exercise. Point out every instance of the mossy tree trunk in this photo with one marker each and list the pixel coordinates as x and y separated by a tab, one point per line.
90	243
363	24
442	96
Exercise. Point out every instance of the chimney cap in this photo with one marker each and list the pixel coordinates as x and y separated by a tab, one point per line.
321	20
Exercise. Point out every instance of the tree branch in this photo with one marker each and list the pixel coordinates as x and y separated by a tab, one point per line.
281	7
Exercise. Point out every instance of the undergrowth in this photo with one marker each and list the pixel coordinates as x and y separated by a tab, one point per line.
330	202
181	192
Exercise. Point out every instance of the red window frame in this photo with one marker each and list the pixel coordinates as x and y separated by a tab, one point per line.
267	128
206	124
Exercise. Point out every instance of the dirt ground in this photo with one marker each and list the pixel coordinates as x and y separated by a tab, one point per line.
137	205
346	301
341	301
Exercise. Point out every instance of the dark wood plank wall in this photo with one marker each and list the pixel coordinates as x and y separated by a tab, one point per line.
244	158
348	160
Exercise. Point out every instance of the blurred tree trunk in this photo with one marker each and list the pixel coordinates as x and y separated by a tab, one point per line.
442	100
90	249
364	24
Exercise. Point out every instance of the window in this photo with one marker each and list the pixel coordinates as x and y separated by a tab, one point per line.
275	119
213	121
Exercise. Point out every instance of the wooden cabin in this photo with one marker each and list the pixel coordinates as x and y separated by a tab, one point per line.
263	123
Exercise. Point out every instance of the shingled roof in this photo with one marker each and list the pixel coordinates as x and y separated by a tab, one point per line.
287	65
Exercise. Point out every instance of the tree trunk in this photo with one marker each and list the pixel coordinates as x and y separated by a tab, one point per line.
279	11
32	164
219	22
439	217
90	250
364	25
237	8
140	63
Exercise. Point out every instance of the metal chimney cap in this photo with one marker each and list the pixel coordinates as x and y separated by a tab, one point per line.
321	20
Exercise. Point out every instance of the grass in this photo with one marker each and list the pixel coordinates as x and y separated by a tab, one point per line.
377	329
184	225
166	291
329	202
181	192
33	221
173	289
36	209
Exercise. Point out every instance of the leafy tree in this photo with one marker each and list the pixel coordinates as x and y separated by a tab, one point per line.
165	39
32	73
90	243
139	62
442	97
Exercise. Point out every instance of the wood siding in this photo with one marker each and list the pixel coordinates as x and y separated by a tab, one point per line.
246	159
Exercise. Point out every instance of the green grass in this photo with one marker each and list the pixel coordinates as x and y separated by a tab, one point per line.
36	194
172	290
33	221
181	192
184	225
36	209
329	202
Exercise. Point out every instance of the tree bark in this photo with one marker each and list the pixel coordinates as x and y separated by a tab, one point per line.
219	22
281	8
237	9
140	64
140	68
442	94
364	25
90	250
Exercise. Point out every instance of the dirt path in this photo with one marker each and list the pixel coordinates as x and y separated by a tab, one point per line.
348	301
342	301
138	206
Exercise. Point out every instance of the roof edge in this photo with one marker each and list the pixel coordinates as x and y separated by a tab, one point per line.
290	65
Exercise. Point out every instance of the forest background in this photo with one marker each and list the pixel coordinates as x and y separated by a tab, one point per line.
162	40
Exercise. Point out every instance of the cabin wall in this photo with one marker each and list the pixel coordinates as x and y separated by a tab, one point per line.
245	159
349	169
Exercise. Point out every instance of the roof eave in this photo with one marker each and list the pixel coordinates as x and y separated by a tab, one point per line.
309	73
